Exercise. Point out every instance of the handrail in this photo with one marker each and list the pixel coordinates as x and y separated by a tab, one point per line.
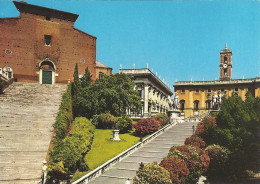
101	169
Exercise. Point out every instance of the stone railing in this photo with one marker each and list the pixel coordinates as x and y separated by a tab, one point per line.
104	167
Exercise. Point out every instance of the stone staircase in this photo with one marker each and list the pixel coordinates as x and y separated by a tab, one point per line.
154	151
27	113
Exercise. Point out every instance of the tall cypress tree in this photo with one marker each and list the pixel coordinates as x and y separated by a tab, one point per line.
76	87
86	79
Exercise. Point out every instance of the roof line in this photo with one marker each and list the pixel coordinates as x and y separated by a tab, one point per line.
84	32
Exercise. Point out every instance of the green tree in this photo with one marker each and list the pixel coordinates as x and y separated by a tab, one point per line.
86	80
152	173
111	94
235	129
76	87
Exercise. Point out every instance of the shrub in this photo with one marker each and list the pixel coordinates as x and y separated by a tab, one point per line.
205	129
196	159
70	152
152	173
177	168
163	117
146	126
124	124
104	121
195	141
64	117
159	121
218	159
56	172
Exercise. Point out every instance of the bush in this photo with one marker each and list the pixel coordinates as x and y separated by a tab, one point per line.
218	159
56	172
196	159
70	152
146	126
163	117
177	168
195	141
124	124
152	173
205	129
64	117
104	121
159	121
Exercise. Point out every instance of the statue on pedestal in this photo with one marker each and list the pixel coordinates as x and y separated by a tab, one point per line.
116	133
176	101
214	100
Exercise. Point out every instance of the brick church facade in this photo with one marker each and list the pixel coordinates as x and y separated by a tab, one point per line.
42	45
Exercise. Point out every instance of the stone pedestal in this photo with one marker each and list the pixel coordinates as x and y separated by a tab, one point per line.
116	135
176	116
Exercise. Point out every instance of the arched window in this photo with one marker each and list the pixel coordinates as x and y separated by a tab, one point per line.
182	104
196	105
225	59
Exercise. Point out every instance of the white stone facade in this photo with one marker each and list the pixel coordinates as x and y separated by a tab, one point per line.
156	96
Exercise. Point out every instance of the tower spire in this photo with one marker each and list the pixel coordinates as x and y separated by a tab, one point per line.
226	45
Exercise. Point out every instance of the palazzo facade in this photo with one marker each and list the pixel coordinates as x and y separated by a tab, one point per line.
198	97
42	45
155	95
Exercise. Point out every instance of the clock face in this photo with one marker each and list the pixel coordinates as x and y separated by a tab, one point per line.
225	65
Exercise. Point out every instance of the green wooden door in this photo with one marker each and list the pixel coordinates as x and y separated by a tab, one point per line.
46	77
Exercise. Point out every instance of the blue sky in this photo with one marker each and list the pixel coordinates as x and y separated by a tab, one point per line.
180	40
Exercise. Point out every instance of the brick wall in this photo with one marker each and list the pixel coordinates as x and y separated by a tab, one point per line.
24	36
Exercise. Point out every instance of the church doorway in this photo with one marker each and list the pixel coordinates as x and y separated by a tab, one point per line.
47	72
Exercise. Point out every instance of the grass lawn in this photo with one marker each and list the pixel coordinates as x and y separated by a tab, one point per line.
103	149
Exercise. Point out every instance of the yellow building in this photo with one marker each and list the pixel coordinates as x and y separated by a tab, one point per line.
197	97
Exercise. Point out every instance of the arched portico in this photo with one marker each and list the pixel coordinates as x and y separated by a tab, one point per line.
47	72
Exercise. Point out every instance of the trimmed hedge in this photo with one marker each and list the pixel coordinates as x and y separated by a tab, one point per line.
70	144
68	156
64	117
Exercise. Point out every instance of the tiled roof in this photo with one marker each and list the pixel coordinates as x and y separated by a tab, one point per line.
101	65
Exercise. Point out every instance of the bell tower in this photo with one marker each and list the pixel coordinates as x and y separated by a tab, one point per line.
225	64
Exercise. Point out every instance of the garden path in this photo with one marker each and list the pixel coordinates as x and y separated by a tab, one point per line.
154	151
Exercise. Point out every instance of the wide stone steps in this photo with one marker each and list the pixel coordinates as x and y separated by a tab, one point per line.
27	113
154	151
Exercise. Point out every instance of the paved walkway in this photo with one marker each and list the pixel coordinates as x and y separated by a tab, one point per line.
27	113
153	151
